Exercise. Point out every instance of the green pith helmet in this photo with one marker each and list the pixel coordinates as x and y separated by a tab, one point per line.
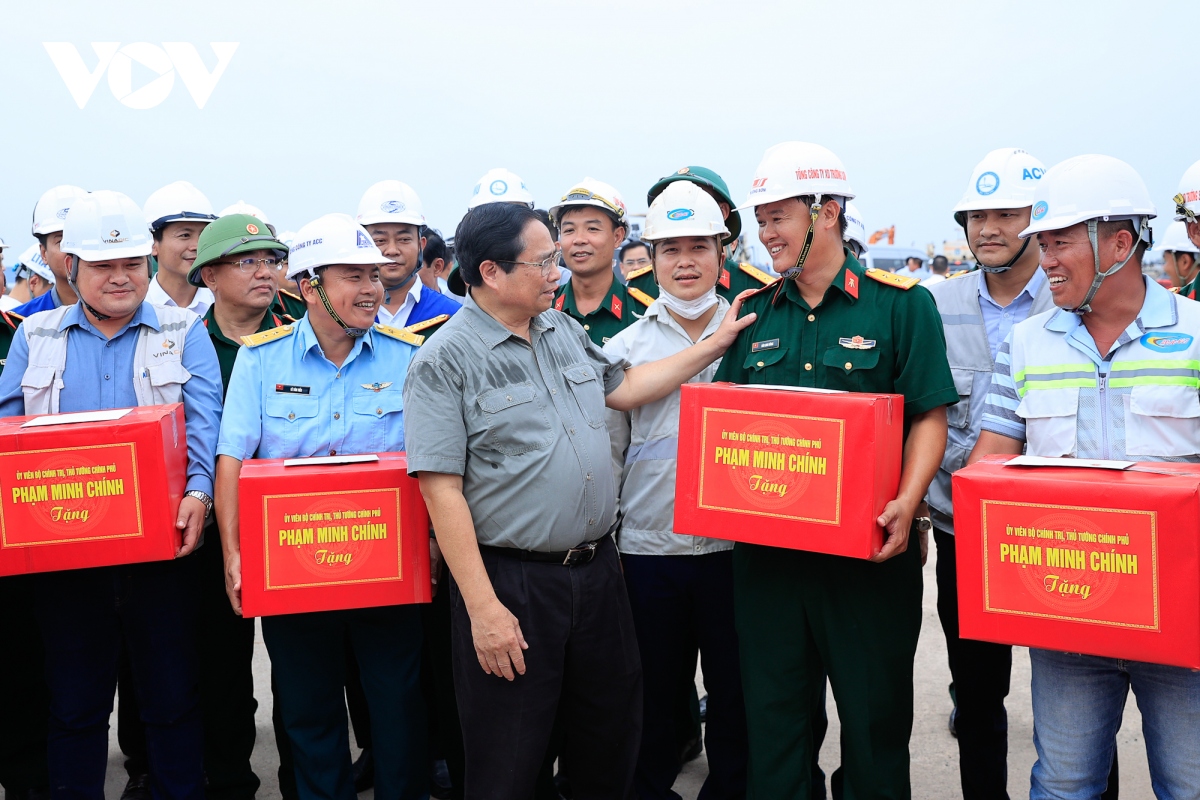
228	236
707	178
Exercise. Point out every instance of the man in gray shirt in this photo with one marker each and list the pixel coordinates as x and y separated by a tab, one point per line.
504	424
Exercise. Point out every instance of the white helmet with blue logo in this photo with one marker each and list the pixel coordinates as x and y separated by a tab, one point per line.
856	230
500	186
683	208
331	239
1005	178
390	201
1187	200
51	210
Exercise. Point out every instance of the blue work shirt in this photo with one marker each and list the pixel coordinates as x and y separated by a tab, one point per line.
431	305
99	375
287	400
998	320
43	302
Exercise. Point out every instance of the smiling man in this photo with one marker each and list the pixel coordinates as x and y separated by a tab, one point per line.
109	351
591	225
177	213
506	434
800	614
1110	374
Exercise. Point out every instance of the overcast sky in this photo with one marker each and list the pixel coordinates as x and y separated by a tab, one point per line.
320	100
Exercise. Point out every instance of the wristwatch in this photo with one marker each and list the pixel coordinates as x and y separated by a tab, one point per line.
924	524
203	498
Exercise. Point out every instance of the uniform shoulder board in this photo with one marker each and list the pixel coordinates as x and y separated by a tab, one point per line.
1176	290
427	324
415	339
960	273
756	273
638	294
637	273
262	337
12	319
292	295
775	282
891	279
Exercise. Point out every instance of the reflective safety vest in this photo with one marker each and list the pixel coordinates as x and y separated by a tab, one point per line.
1141	403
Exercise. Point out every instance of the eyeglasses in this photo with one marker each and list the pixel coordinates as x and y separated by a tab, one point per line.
249	266
547	266
636	262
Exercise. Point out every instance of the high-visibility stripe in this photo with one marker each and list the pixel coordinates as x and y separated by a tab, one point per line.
1156	380
1056	370
1155	363
1062	383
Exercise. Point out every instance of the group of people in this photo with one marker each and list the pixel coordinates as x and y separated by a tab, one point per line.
541	419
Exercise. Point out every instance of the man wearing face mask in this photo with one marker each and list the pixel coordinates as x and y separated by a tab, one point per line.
391	213
680	587
330	385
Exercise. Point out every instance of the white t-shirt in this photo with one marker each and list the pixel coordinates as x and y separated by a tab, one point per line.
400	318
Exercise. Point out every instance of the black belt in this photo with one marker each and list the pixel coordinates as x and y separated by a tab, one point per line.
580	554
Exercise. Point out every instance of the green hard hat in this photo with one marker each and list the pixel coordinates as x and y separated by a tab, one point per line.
228	236
707	178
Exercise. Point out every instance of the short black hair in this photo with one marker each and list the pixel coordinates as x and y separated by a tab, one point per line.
544	215
631	244
939	264
1109	228
917	259
491	232
42	238
435	247
807	201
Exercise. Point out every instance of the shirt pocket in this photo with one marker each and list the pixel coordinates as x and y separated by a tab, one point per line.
849	369
1051	417
285	418
167	380
589	396
375	414
959	414
516	422
760	364
1162	421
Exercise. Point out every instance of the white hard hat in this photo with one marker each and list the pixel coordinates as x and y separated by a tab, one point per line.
856	230
52	208
1187	201
1006	178
105	225
331	239
390	201
500	186
242	207
1175	240
591	192
177	202
1090	187
683	208
798	169
287	237
31	261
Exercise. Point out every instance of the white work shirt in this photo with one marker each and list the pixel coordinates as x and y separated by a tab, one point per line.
645	441
159	297
400	318
933	280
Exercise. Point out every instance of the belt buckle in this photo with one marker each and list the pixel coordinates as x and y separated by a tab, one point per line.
576	554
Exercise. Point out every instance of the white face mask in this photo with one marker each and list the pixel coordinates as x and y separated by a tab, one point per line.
688	309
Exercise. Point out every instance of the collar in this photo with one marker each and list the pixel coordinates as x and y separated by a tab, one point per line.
1032	287
144	315
54	296
848	281
306	340
490	331
1158	311
414	292
613	304
659	313
269	322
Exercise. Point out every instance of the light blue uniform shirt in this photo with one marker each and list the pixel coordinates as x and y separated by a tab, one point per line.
998	320
99	375
287	400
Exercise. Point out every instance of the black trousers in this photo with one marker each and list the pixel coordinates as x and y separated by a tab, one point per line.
25	707
226	652
582	667
981	672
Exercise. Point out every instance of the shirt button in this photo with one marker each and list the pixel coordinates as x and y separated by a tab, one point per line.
811	318
379	411
338	375
552	391
333	452
591	522
849	365
589	476
761	364
572	431
587	327
108	344
292	416
808	367
105	377
508	397
336	415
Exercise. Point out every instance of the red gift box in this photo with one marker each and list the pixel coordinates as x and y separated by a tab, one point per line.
90	489
1097	561
320	534
798	468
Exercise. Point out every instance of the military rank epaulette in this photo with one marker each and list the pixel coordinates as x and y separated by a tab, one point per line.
415	339
891	279
639	272
638	294
1176	290
757	274
292	295
958	274
262	337
417	327
13	320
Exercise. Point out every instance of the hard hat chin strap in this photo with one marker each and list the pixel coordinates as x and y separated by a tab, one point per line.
1093	237
72	276
315	283
1003	267
387	290
814	211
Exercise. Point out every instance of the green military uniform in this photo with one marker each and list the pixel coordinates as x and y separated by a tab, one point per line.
8	328
801	614
619	310
1189	291
735	278
227	349
289	306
